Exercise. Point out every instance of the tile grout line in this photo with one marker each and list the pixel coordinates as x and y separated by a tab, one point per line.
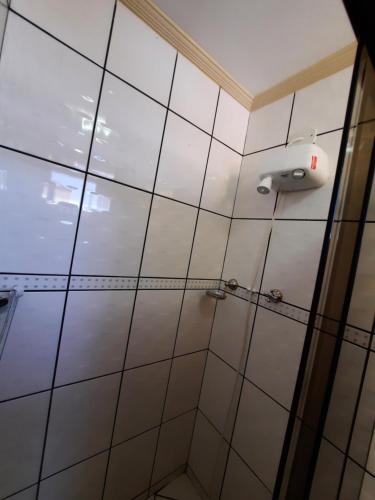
363	469
213	316
105	450
5	27
54	37
71	262
331	131
230	448
184	292
106	70
113	181
75	382
138	280
248	347
221	279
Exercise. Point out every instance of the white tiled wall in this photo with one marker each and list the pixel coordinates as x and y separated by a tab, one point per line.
121	168
124	149
56	91
255	349
119	162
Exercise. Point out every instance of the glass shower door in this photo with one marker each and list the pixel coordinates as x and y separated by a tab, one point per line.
329	452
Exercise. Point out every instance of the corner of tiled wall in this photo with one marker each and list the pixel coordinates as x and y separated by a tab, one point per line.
245	400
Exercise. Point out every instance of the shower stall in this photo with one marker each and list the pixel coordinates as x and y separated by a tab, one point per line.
167	330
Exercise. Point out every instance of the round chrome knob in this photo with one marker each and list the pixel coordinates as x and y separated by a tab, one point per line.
275	295
232	284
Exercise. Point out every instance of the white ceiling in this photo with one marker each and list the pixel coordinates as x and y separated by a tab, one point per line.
262	42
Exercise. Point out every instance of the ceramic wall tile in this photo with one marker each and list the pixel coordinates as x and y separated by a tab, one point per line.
312	203
231	122
56	91
293	259
231	330
250	203
362	448
183	161
154	326
84	481
332	95
344	394
371	207
327	472
259	433
275	353
95	333
218	393
3	17
184	384
143	392
28	494
85	29
209	246
110	213
173	445
140	56
195	323
247	246
208	456
81	421
240	482
38	233
194	95
126	145
22	427
28	360
352	481
136	457
361	311
368	486
221	179
169	239
268	126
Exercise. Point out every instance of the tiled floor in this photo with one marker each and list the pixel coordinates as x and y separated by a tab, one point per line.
179	489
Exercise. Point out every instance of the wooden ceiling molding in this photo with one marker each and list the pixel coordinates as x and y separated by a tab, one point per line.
152	15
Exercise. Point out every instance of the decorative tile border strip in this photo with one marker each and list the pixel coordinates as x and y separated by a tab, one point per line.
194	284
351	333
289	310
356	336
102	282
241	292
33	282
160	283
293	312
55	282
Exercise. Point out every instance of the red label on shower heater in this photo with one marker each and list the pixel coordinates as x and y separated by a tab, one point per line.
314	161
